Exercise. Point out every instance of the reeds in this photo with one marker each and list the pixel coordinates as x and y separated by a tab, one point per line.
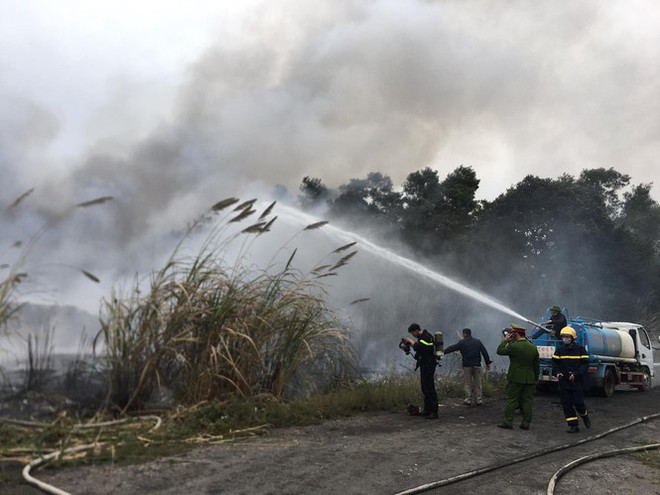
9	305
39	363
9	302
207	331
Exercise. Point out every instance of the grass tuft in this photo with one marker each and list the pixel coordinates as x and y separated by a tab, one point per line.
205	331
317	225
94	202
225	203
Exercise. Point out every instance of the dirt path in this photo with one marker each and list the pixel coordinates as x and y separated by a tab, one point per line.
391	452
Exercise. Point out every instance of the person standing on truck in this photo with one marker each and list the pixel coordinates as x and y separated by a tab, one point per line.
570	365
556	322
522	375
425	356
471	350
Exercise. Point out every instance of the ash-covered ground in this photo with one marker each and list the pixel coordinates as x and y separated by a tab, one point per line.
391	452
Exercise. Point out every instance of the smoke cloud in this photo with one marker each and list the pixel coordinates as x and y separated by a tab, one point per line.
280	90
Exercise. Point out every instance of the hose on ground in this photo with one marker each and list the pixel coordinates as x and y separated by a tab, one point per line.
34	424
42	460
56	454
509	462
592	457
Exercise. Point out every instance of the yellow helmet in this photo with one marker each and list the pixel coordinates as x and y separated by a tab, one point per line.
568	331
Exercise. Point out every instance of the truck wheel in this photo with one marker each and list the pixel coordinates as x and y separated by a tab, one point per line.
647	382
609	382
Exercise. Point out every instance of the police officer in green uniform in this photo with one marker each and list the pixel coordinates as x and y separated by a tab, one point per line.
522	375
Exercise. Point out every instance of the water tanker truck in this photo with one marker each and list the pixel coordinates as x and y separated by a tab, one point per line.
620	353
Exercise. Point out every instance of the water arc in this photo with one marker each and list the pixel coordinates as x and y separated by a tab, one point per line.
404	262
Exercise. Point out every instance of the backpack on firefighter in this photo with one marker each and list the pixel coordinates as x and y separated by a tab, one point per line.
438	348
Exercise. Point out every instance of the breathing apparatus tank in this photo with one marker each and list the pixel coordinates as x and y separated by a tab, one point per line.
439	346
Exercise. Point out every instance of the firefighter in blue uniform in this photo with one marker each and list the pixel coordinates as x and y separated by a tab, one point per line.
570	364
425	356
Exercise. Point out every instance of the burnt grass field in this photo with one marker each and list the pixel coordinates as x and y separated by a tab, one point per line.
389	452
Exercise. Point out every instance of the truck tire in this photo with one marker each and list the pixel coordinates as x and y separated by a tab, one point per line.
609	382
647	382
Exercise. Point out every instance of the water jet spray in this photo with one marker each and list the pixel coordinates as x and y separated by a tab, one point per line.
409	264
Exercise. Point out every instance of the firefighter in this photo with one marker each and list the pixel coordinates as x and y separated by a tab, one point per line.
570	364
425	356
557	320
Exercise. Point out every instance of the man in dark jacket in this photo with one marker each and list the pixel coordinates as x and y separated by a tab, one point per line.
570	364
521	378
556	322
425	355
471	350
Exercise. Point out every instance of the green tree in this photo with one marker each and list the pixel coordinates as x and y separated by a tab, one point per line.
460	205
608	183
313	193
563	241
368	199
439	215
382	195
641	215
422	200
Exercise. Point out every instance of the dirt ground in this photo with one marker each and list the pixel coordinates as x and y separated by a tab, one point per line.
393	452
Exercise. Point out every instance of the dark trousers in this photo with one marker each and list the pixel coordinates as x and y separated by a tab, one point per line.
572	401
427	375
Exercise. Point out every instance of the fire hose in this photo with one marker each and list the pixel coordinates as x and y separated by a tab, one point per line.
538	325
538	453
56	454
592	457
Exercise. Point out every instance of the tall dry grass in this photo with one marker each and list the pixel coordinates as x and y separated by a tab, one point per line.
9	303
39	361
13	272
209	330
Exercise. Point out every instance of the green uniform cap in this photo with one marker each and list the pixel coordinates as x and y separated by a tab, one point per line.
555	308
517	328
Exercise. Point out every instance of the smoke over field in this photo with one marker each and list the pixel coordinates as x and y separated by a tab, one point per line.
168	114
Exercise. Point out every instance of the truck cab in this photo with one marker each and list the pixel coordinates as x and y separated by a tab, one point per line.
620	353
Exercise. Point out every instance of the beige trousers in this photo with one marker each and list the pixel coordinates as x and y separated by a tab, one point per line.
472	384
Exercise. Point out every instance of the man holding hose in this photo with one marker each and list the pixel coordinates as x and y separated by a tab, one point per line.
427	363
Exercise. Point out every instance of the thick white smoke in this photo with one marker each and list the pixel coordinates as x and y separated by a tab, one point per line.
281	89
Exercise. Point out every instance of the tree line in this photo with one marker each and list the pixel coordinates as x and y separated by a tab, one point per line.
590	242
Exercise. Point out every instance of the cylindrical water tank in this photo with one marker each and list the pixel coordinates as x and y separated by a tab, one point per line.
609	342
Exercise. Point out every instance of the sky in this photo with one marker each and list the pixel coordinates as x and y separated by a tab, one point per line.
169	107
